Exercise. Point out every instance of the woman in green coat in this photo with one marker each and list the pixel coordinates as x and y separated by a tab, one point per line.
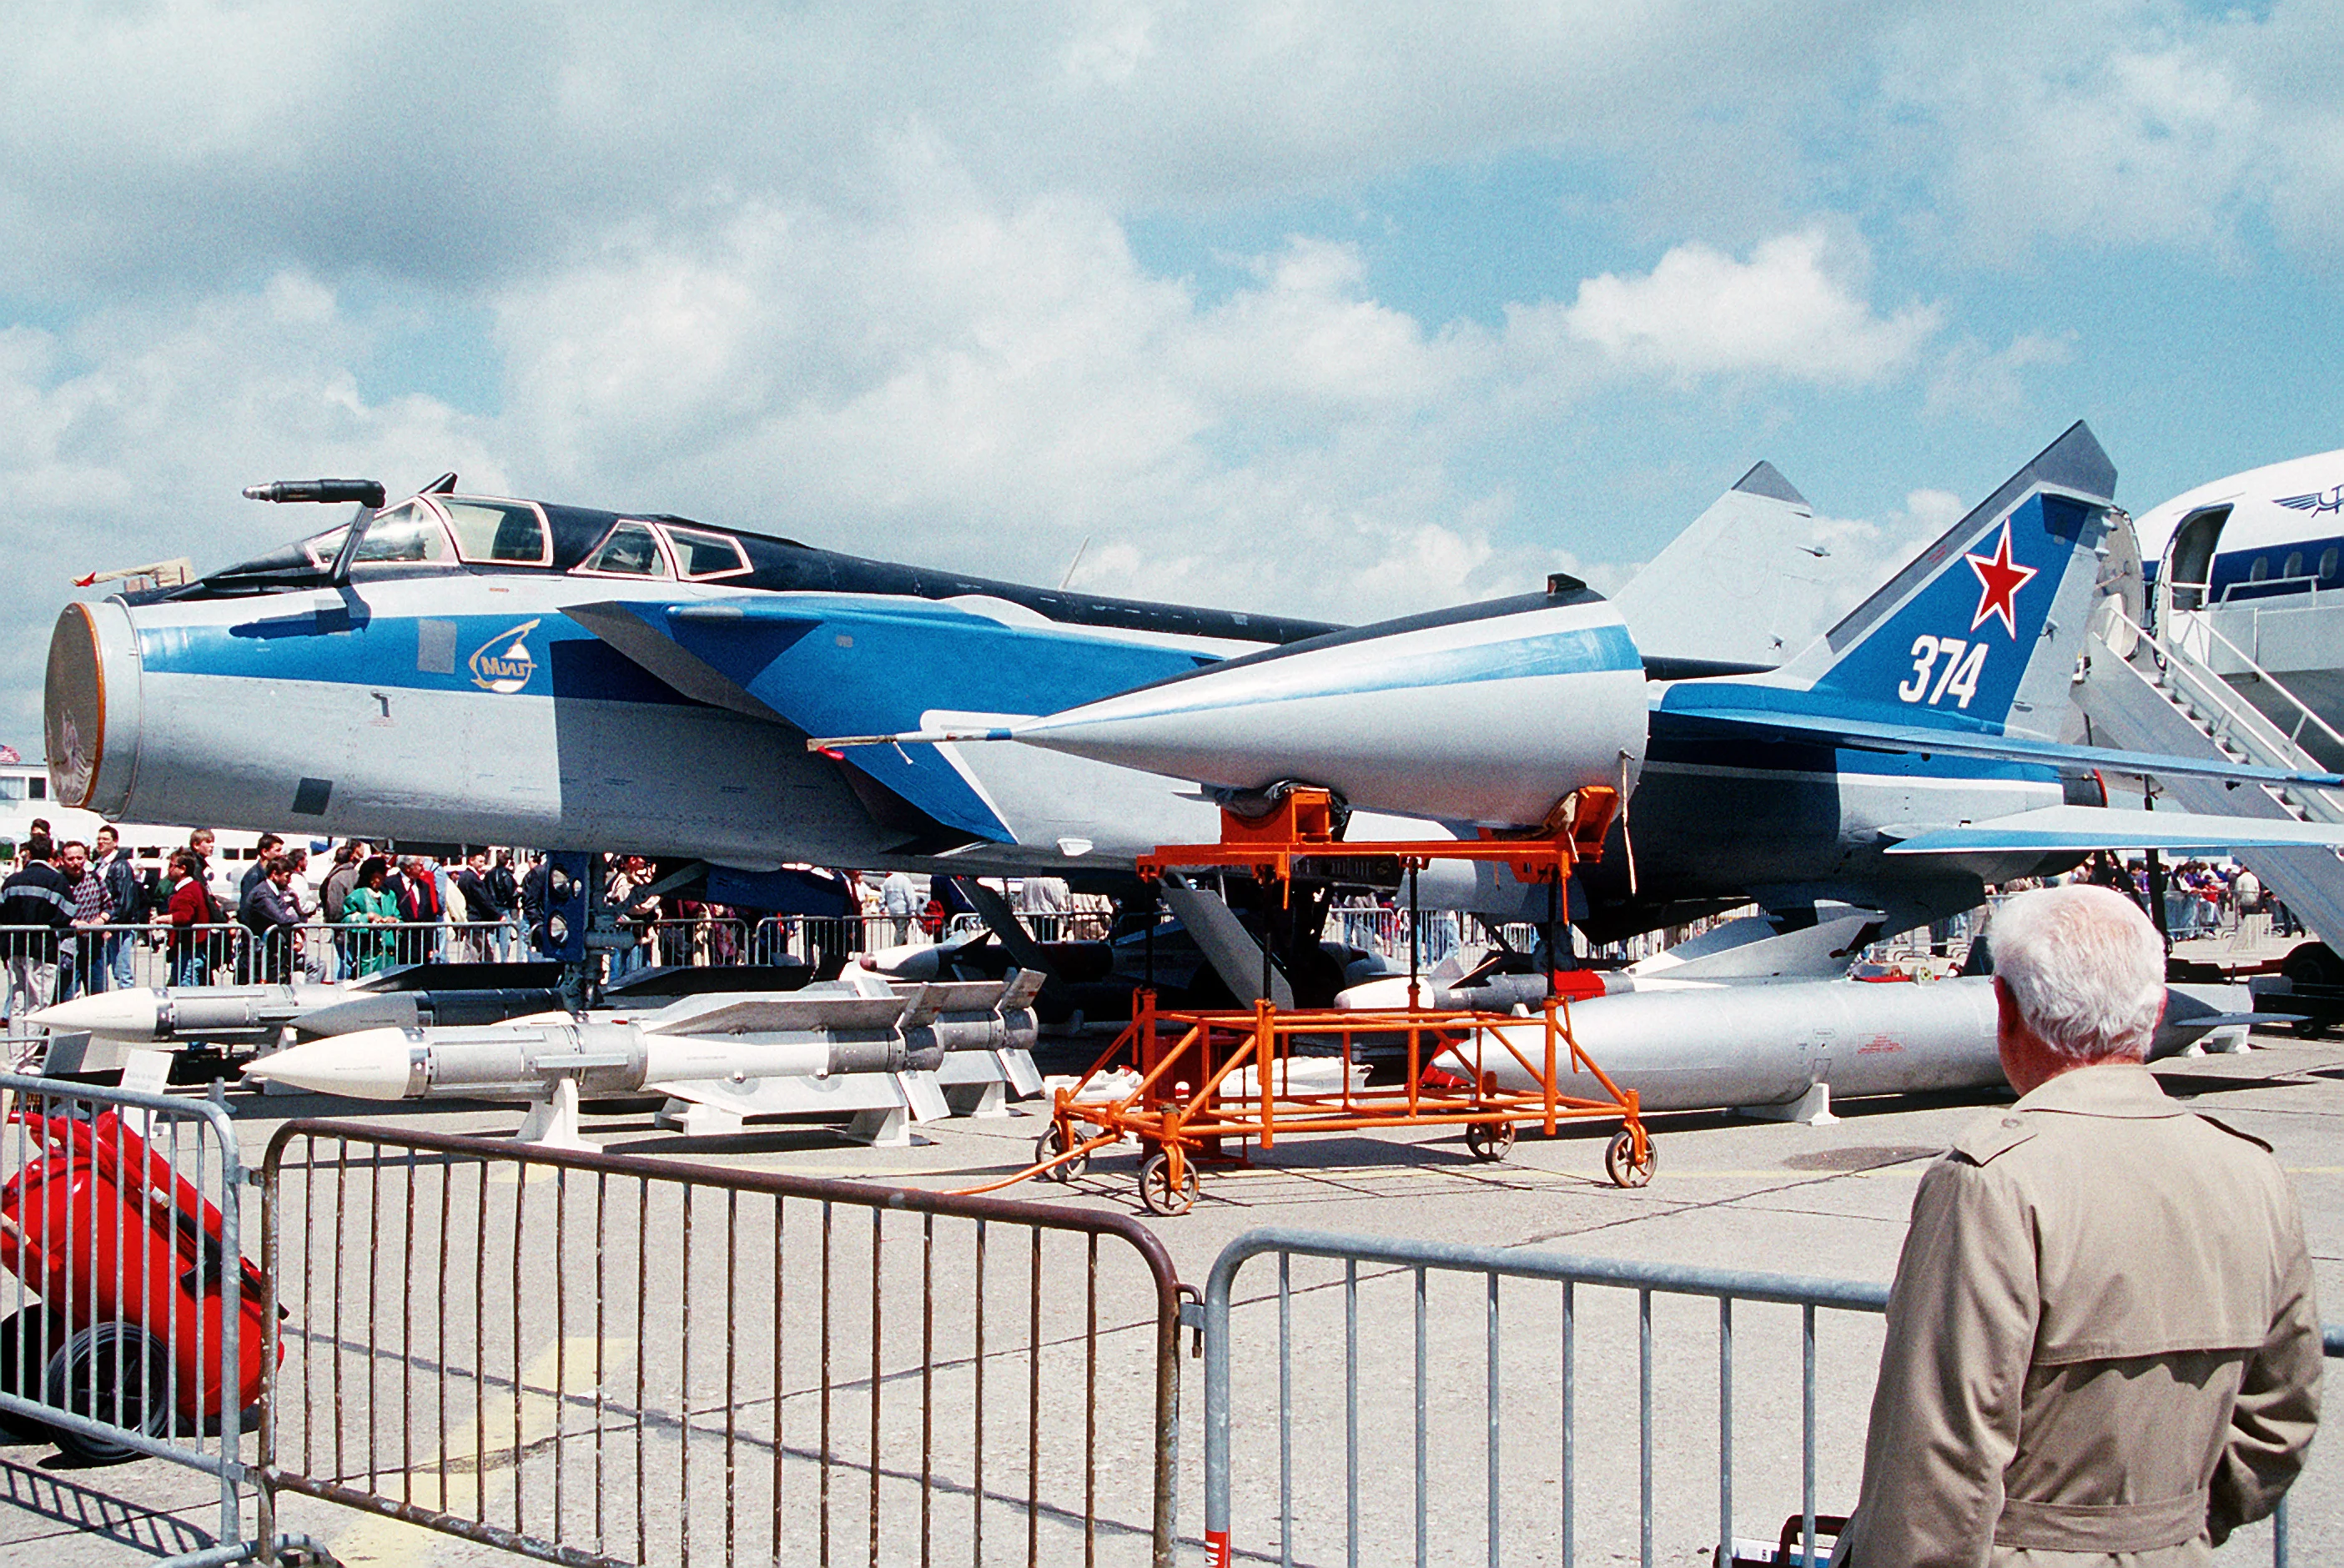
368	903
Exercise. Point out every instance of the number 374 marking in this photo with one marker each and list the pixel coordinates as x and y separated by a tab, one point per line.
1964	662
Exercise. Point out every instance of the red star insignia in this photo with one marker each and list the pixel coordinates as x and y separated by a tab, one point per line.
2000	580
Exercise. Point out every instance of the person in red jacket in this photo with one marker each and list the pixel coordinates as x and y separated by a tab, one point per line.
187	951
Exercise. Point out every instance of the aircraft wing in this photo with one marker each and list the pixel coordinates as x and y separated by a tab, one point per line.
840	664
2058	828
1863	735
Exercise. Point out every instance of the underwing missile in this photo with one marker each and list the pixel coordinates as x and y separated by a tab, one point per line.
860	1024
260	1014
1492	713
1787	1048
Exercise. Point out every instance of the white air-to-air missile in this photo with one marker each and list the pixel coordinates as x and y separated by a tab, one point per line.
260	1014
740	1053
1787	1050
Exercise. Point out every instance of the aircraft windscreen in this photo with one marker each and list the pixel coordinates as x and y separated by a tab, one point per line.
404	533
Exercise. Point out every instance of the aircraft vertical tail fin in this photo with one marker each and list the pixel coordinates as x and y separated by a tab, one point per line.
1980	631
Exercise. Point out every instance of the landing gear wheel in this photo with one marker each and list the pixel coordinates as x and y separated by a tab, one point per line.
1156	1189
1620	1160
1049	1146
116	1373
28	1338
1489	1140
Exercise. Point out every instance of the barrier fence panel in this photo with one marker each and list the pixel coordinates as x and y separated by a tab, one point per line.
1431	1402
133	1324
602	1359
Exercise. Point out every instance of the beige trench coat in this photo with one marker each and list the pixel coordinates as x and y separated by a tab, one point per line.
2102	1342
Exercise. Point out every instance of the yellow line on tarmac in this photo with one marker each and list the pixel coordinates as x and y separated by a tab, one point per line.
377	1539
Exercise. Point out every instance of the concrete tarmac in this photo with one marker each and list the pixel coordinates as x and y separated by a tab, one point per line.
1828	1201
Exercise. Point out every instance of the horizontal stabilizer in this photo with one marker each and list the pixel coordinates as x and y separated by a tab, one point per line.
2058	828
1782	723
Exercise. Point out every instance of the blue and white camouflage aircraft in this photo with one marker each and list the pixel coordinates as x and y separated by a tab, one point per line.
497	670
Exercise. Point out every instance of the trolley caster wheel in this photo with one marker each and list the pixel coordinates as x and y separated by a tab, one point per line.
28	1338
1049	1146
1620	1160
1156	1188
116	1373
1489	1140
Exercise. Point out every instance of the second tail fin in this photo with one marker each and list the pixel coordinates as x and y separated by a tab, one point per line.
1982	628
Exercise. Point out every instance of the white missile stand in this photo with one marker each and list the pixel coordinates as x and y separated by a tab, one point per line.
1814	1108
879	1107
553	1122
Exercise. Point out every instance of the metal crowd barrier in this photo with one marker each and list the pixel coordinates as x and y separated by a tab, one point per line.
1525	1360
600	1358
133	1322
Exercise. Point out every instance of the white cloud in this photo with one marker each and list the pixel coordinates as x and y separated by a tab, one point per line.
1989	384
1793	310
127	439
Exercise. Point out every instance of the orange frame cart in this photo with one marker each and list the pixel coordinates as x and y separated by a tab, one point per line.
1205	1078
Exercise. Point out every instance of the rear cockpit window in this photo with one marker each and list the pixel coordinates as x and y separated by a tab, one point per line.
507	532
404	533
700	555
630	550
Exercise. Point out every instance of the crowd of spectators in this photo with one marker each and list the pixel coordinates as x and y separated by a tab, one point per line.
74	917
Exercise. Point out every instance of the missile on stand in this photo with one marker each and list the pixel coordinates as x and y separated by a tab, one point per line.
1785	1050
859	1024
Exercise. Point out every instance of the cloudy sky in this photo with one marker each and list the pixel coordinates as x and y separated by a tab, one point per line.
1350	310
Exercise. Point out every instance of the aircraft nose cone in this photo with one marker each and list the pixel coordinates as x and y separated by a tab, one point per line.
90	717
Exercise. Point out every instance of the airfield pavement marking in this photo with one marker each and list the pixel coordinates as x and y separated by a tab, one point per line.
376	1538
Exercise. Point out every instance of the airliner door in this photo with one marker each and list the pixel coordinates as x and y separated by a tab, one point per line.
2189	557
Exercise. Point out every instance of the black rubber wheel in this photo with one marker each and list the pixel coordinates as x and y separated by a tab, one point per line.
1619	1159
1049	1146
1490	1140
1156	1188
116	1373
27	1339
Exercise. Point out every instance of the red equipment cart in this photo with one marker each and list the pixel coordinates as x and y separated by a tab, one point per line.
129	1261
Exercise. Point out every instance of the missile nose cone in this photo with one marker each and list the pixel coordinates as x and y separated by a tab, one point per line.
117	1015
373	1064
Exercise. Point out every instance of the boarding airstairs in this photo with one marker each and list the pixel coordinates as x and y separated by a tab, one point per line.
2159	692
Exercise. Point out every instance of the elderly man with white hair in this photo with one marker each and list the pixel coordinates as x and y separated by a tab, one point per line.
2102	1345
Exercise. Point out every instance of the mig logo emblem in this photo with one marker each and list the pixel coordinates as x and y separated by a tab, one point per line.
504	663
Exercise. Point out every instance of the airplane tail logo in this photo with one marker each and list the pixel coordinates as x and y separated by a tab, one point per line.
504	663
1981	631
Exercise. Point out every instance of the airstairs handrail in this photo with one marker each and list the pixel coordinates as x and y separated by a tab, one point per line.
2184	665
2206	623
2242	719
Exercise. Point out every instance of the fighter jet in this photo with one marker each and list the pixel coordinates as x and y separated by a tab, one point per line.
508	670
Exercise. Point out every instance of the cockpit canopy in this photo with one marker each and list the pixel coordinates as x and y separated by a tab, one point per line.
455	531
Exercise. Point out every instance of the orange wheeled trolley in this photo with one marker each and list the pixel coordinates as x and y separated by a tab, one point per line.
1184	1083
130	1264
